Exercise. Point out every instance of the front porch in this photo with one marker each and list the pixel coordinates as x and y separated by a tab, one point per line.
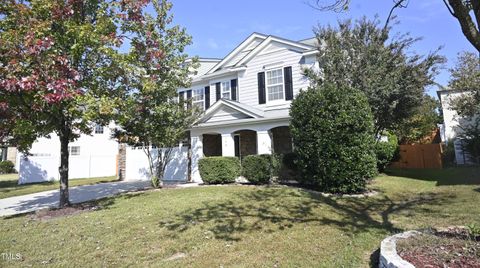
240	141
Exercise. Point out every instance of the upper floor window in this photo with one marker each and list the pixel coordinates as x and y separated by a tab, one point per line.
274	85
98	129
226	91
74	150
198	98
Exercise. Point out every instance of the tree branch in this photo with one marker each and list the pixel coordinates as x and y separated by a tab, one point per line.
448	7
469	29
397	5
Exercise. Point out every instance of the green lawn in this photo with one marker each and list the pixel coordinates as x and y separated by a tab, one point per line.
9	185
245	226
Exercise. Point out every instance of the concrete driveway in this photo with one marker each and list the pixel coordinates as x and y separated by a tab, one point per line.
48	199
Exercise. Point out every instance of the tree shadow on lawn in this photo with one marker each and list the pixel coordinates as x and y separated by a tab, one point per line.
443	177
275	209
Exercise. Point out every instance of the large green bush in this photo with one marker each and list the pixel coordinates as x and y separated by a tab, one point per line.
284	166
219	169
332	130
7	167
257	169
386	151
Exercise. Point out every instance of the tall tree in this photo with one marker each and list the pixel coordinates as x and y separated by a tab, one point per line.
150	117
361	55
52	53
465	76
467	12
421	123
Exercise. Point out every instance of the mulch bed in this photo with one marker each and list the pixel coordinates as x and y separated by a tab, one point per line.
452	247
47	214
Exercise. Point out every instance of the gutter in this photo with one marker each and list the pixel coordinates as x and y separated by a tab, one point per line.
238	122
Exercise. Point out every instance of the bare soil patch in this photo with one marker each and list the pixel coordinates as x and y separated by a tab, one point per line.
452	247
51	213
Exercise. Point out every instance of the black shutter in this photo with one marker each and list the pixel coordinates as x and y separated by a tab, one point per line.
217	90
181	96
189	99
288	83
207	97
233	87
261	88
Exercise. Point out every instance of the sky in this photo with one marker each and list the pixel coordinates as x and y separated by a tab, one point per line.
218	26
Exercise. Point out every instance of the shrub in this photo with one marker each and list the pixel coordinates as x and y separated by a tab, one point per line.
332	130
470	139
386	151
284	166
448	153
219	169
257	169
7	167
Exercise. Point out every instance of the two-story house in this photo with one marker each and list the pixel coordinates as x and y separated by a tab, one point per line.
246	98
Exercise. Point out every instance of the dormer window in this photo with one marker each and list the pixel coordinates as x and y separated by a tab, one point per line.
274	85
226	91
198	98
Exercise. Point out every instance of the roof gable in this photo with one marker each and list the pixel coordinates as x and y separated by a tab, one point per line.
272	43
246	46
226	110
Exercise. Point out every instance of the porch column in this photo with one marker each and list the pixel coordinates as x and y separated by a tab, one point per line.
228	145
264	142
197	153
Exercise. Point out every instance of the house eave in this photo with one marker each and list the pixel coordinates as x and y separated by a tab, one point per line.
239	122
219	73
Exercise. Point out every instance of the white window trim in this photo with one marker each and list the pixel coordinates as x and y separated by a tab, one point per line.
229	91
202	101
267	85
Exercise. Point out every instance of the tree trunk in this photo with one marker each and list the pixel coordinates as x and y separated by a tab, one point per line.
462	13
63	169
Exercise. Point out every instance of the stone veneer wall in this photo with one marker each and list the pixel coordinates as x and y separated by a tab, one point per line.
248	142
282	140
212	145
388	251
122	161
12	154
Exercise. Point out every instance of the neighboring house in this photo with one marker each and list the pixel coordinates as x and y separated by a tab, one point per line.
246	97
8	154
91	156
453	125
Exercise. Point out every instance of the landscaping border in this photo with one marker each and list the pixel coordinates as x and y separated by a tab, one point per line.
388	251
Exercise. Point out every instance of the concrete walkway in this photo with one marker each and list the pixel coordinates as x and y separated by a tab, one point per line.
48	199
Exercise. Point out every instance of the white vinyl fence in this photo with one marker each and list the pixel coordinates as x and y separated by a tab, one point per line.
137	167
41	168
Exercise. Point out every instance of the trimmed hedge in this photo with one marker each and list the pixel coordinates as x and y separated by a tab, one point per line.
332	130
257	169
219	169
7	167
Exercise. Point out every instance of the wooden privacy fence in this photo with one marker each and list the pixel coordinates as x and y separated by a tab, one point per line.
419	156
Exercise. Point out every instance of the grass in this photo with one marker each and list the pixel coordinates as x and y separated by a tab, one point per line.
9	185
242	226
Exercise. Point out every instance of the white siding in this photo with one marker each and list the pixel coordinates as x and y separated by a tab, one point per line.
226	113
452	126
248	84
243	53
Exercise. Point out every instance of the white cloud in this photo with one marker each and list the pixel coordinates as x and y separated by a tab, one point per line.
212	44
